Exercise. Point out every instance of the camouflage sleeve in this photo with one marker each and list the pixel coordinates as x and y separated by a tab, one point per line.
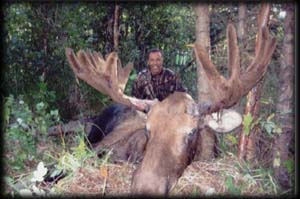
135	89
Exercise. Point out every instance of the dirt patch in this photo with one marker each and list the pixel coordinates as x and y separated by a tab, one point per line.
108	179
223	176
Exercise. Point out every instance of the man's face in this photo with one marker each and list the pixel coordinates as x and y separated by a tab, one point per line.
155	63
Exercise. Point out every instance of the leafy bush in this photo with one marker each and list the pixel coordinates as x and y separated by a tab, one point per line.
25	127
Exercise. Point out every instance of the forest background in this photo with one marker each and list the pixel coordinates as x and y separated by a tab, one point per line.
39	90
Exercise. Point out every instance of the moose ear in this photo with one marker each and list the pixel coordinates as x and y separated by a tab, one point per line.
225	122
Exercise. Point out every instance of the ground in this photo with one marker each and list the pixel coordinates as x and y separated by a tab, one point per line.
223	176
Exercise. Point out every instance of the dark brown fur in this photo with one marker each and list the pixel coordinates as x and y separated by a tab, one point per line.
171	146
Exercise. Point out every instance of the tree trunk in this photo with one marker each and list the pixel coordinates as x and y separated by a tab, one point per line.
284	104
139	37
116	27
241	33
43	12
241	36
109	29
205	150
202	36
246	147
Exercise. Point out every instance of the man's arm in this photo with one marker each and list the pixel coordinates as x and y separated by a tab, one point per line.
138	93
135	89
174	82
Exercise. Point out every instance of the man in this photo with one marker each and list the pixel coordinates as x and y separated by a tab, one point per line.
156	82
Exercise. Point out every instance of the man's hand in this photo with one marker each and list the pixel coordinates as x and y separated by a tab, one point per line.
145	105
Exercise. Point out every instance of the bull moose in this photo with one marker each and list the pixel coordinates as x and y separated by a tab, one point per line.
168	134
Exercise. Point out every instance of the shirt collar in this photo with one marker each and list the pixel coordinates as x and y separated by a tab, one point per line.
156	76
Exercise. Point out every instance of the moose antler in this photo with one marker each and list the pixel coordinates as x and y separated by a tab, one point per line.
106	76
227	92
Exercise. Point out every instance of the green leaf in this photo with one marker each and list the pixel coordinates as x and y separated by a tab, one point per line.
6	114
40	106
268	128
249	179
277	130
289	164
247	120
80	151
133	76
230	186
265	101
177	59
271	117
276	161
288	111
55	172
231	138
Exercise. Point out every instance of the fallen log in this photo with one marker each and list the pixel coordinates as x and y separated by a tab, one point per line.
71	127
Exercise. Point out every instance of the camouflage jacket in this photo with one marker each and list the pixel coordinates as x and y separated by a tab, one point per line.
147	86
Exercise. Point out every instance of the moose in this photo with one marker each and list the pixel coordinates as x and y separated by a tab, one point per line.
167	136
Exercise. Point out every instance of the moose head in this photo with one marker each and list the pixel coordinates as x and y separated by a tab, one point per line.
173	124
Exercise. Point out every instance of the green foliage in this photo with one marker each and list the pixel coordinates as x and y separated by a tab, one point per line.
36	36
257	175
71	158
67	160
232	189
232	139
270	126
247	121
131	79
40	33
266	124
25	128
265	177
227	143
290	165
19	117
43	94
81	151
